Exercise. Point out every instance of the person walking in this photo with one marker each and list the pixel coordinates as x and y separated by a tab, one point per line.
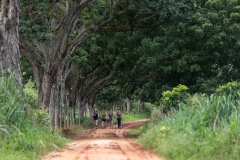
95	118
104	116
110	117
119	118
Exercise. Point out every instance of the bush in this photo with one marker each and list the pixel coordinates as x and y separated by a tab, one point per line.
85	122
172	99
42	118
31	94
229	88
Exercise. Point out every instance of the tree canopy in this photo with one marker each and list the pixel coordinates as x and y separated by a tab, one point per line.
75	50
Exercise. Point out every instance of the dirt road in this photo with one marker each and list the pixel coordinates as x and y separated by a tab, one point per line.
104	144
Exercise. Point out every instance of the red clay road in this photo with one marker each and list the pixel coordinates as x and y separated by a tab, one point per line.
104	144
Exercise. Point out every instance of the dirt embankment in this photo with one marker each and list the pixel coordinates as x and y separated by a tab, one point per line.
104	144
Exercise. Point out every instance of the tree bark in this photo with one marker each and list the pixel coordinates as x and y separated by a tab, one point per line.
88	110
81	105
62	102
141	106
9	39
52	104
128	104
46	91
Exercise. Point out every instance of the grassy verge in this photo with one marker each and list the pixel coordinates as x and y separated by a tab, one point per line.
24	132
29	143
204	130
131	116
138	131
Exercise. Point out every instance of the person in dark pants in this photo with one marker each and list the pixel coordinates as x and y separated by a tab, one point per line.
119	118
95	118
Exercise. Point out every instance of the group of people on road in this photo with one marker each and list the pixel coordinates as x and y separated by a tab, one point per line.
104	116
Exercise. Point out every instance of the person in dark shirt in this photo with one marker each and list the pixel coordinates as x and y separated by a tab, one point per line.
95	118
119	118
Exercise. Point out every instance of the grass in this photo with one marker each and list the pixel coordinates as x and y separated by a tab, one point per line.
21	136
131	116
30	143
138	131
205	129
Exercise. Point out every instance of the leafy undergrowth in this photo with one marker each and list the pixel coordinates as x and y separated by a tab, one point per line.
205	129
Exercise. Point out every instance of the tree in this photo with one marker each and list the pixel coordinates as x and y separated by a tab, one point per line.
199	49
9	38
62	26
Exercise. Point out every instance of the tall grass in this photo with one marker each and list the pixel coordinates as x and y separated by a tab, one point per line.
204	128
12	102
20	137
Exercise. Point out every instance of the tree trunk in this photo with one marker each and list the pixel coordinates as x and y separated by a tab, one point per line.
45	91
141	106
52	104
62	103
67	108
128	104
88	110
9	38
90	105
74	91
81	105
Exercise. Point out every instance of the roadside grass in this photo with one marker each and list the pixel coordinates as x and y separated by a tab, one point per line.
22	135
133	115
136	132
205	129
31	144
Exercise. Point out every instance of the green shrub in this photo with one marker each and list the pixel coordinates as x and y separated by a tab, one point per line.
229	88
172	99
31	94
85	122
42	118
